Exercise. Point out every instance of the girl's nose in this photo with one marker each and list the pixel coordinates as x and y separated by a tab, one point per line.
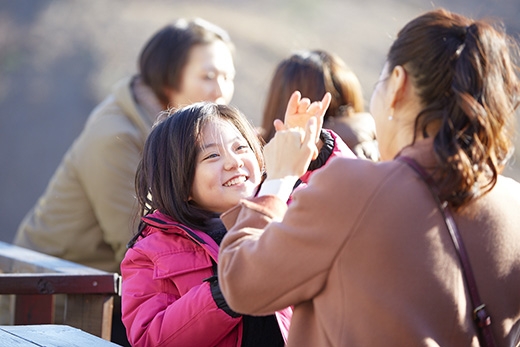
233	161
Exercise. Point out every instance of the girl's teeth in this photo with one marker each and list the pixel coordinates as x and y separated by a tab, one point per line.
235	181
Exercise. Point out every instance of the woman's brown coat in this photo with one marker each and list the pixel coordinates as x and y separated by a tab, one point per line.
366	259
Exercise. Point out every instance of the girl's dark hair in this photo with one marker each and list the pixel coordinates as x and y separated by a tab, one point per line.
165	55
312	73
467	82
165	175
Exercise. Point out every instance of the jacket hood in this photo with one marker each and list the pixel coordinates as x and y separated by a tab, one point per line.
158	221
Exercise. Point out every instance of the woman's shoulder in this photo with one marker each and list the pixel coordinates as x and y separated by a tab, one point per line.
343	175
110	117
119	114
362	168
509	182
508	190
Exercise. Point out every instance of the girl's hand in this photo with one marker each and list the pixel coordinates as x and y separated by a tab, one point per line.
290	151
299	111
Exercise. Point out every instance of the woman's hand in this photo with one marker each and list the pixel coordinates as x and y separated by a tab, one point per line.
299	111
290	151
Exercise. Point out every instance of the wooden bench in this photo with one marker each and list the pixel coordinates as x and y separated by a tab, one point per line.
34	279
49	335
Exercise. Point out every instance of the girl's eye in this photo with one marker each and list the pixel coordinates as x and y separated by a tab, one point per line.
242	148
210	156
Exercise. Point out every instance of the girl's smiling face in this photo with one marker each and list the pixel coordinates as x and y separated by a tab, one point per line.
227	168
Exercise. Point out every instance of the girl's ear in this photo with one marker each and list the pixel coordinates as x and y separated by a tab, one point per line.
397	85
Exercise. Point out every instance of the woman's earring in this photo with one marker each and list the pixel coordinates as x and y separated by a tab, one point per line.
390	118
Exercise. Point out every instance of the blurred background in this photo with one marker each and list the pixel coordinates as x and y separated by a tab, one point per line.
59	58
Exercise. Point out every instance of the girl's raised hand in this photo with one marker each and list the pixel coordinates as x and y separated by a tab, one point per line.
300	110
290	151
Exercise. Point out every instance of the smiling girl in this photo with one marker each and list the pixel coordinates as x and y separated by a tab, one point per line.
197	163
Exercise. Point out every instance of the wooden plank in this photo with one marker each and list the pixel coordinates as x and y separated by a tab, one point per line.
34	309
91	313
10	340
59	283
19	259
50	335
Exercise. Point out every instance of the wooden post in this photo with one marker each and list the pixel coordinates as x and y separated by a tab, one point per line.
33	309
91	313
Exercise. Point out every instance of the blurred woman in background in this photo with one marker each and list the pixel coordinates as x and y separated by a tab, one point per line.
313	73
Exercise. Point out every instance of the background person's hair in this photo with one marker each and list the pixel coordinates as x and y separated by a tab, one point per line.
313	73
163	58
165	175
467	81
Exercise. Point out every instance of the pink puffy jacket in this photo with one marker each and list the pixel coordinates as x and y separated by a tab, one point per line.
165	298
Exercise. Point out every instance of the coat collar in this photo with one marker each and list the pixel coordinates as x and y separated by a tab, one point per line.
167	224
138	102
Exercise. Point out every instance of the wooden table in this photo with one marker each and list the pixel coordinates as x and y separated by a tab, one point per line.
36	279
49	335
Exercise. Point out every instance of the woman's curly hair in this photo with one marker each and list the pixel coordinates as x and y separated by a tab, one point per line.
467	80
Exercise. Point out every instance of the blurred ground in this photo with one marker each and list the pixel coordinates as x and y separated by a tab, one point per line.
59	58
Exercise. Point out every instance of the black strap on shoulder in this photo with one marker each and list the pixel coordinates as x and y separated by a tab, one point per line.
480	315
